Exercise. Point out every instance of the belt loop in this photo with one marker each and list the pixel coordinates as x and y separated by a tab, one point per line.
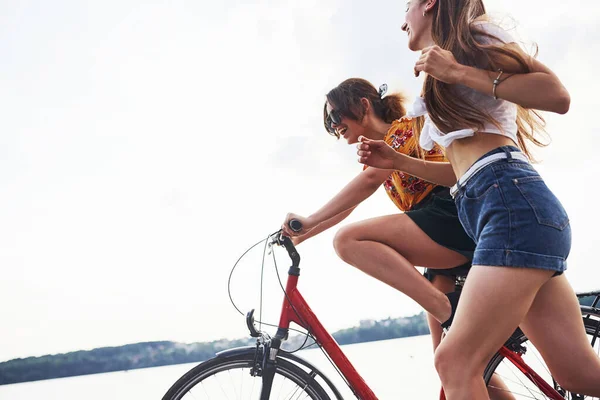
509	157
458	189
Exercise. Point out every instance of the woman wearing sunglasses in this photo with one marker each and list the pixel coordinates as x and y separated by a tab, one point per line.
479	94
428	232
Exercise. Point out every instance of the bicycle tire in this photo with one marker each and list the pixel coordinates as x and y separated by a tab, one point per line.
528	389
300	382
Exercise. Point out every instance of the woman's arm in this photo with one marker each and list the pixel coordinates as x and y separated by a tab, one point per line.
440	173
376	153
359	189
323	226
540	89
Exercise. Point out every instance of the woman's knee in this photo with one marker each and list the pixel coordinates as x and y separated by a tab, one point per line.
454	365
443	361
344	239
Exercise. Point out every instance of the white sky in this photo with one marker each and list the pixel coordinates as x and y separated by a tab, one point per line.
146	145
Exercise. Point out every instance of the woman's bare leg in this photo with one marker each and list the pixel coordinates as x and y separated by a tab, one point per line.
554	325
497	299
388	248
497	389
494	301
445	285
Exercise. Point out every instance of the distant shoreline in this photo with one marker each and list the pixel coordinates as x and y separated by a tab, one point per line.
162	353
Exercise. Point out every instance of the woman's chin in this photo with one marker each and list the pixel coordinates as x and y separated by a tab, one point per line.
413	46
352	140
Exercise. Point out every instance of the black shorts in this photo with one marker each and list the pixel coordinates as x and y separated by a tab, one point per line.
436	215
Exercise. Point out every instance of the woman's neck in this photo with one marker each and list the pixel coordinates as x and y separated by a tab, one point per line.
377	130
427	42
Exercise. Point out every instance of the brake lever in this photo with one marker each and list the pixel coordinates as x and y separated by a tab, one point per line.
279	239
274	239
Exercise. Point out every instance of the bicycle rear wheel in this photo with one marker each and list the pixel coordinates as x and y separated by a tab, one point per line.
517	384
229	377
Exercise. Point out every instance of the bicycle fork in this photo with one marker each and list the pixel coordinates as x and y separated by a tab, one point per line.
265	357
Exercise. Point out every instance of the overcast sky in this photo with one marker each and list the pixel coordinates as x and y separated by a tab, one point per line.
146	145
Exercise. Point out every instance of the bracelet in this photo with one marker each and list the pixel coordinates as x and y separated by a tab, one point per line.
496	83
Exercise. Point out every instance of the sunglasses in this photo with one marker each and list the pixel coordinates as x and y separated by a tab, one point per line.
334	117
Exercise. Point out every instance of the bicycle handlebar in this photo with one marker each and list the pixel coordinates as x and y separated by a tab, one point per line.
286	242
295	225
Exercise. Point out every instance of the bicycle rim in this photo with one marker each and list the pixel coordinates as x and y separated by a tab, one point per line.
504	377
230	378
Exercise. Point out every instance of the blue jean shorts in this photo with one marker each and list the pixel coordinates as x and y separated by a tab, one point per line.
512	216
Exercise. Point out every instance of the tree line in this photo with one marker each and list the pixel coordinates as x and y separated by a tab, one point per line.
154	354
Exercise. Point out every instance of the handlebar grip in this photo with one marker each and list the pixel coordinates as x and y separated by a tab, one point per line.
295	225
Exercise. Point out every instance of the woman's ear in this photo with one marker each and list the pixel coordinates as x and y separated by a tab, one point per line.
366	104
430	4
367	109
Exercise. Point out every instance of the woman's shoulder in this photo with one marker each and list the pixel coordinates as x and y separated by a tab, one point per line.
400	135
401	125
404	122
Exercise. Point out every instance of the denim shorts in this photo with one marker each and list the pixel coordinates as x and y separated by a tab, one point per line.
512	216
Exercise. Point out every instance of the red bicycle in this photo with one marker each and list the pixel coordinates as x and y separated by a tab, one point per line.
266	371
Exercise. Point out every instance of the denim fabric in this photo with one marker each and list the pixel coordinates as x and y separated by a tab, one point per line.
512	216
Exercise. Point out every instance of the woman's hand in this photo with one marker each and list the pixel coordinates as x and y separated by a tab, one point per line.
440	64
376	153
296	240
307	225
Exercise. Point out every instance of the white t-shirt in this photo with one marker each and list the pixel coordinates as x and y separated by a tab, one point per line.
504	112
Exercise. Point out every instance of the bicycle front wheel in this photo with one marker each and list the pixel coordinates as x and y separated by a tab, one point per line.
505	379
229	377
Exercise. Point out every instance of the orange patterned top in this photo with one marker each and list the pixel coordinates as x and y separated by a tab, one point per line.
406	190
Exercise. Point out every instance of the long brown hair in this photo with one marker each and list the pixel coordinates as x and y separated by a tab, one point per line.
453	30
346	98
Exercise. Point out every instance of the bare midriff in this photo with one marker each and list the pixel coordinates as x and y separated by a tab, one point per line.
463	153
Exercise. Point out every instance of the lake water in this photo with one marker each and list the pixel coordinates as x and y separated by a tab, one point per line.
398	368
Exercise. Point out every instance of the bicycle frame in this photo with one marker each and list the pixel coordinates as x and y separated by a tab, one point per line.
296	309
517	360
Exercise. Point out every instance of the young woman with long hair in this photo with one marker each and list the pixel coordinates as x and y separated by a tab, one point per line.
477	103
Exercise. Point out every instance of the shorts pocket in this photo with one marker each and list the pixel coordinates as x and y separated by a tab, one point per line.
480	207
545	205
473	193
